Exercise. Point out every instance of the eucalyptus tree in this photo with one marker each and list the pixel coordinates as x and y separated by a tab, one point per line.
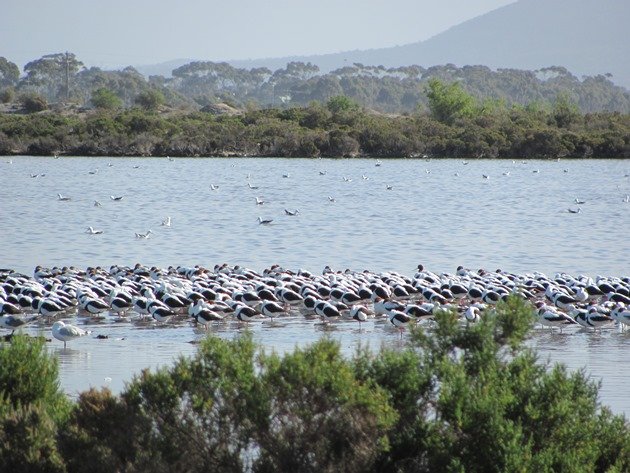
53	75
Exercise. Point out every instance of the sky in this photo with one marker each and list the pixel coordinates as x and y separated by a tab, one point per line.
117	33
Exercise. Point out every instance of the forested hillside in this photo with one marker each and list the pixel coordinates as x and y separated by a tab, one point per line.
64	78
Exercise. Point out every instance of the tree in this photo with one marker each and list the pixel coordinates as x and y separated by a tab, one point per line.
565	111
448	102
53	74
150	99
7	95
9	73
105	99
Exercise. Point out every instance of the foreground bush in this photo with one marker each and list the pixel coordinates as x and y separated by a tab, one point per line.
456	398
31	407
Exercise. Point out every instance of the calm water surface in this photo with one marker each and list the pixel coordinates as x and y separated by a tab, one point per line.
439	213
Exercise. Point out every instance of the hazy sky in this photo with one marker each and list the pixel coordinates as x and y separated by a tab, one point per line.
112	33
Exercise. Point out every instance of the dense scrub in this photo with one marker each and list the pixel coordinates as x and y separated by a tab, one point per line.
455	398
337	129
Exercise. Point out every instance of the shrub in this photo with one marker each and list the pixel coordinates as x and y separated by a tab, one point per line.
33	103
31	407
105	99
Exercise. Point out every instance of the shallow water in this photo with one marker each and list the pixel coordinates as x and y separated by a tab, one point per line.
439	213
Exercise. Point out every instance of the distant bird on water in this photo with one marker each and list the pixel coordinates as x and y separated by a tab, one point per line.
265	221
166	222
63	198
93	231
144	235
574	211
116	198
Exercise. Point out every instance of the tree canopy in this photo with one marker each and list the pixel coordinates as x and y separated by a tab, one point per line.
391	90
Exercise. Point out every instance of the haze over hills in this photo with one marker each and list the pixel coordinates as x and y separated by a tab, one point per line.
588	37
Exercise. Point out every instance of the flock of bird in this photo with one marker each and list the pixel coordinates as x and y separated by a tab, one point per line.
213	296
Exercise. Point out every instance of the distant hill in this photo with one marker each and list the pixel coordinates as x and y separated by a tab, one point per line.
588	37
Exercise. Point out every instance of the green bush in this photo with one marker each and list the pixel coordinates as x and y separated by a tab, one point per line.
33	103
457	397
32	407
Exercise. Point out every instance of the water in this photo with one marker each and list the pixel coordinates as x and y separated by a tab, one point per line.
438	213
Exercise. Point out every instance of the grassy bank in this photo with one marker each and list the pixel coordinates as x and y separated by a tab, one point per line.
454	398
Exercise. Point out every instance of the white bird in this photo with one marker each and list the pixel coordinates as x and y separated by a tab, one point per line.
97	203
292	213
322	173
578	201
347	179
486	176
259	201
359	313
144	235
621	315
93	231
472	314
66	332
574	211
627	198
388	187
251	187
116	198
331	199
286	175
266	221
63	198
214	187
166	222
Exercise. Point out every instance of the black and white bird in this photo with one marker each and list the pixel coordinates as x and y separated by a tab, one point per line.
359	313
400	320
264	221
206	316
244	313
160	313
327	311
94	306
271	309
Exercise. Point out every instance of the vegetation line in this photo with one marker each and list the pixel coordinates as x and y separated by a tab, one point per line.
456	126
